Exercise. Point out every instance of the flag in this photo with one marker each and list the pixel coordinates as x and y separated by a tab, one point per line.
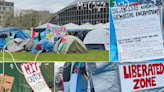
33	33
48	27
45	34
76	70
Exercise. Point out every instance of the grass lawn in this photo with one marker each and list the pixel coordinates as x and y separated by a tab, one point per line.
50	71
91	55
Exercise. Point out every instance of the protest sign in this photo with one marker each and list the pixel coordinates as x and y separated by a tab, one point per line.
6	83
138	32
34	77
136	77
60	33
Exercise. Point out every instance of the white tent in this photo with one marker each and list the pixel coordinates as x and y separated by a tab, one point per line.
97	39
98	25
106	25
51	26
71	26
87	26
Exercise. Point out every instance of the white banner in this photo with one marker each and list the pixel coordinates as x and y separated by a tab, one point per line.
138	32
34	77
136	77
60	33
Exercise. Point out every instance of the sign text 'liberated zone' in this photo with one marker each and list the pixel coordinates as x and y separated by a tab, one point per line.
136	77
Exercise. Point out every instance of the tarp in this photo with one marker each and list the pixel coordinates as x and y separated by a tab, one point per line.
2	44
47	46
17	45
113	43
20	84
19	33
106	78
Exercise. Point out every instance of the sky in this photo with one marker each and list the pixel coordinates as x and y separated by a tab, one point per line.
58	64
40	5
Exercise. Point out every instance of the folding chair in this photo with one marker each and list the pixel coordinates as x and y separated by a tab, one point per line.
39	47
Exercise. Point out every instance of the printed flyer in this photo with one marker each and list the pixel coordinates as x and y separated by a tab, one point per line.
138	32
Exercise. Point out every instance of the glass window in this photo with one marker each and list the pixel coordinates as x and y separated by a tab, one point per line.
1	3
4	8
7	4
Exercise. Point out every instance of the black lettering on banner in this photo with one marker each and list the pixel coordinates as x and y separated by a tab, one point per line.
34	77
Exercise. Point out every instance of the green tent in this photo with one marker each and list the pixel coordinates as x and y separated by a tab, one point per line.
28	32
8	39
71	45
20	84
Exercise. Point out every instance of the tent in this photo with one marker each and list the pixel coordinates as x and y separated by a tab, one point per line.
76	78
87	26
108	73
96	39
2	44
69	44
73	27
52	26
19	33
17	45
20	84
28	32
104	75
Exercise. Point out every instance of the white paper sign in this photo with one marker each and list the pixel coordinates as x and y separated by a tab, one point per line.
138	33
34	77
136	77
106	46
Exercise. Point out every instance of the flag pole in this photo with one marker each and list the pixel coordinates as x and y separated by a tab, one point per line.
89	88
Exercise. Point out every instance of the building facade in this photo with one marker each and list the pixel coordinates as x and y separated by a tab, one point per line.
44	16
82	11
5	8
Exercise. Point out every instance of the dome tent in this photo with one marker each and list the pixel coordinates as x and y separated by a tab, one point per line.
96	39
69	44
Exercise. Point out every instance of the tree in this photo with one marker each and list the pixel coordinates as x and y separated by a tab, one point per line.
22	19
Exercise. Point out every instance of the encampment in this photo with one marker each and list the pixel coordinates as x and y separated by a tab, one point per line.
69	44
96	39
20	84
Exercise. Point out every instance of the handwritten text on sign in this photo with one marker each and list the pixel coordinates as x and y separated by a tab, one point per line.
61	32
135	77
34	77
6	83
138	33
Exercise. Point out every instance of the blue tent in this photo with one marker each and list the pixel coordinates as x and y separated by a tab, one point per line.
18	32
2	44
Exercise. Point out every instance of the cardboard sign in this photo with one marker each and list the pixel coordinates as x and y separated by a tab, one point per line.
138	32
6	83
34	77
60	33
106	46
136	77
